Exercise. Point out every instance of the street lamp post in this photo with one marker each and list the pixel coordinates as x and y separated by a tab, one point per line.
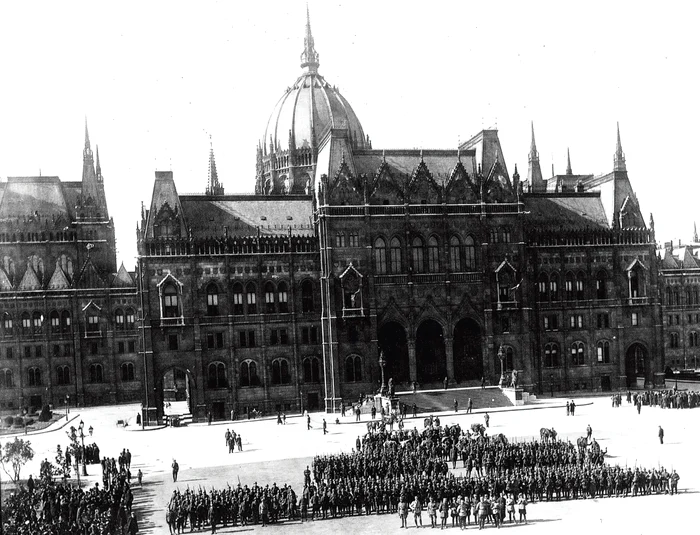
501	357
551	384
676	372
67	398
382	363
82	442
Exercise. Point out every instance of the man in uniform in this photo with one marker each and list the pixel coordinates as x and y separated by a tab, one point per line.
661	434
176	469
674	482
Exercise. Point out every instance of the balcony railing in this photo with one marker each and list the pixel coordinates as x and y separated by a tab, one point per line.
172	322
353	313
93	334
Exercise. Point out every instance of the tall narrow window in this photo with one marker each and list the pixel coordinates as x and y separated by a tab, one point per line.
469	253
380	255
601	290
554	287
433	255
580	281
455	254
269	298
542	282
212	300
282	297
170	301
119	319
603	352
251	302
577	354
238	299
55	320
417	251
396	263
551	355
307	296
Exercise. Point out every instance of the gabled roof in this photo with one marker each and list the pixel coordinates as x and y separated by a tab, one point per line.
636	262
503	265
350	269
92	304
58	281
169	276
5	284
22	196
30	281
89	277
123	278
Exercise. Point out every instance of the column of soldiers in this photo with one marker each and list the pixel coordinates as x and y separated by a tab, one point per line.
666	399
240	506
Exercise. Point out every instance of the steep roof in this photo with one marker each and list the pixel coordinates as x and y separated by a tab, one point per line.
22	196
572	211
440	163
243	215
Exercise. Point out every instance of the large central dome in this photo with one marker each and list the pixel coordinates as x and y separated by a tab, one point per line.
310	109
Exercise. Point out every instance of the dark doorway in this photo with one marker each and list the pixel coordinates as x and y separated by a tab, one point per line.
176	389
392	341
35	402
218	410
312	401
605	385
635	363
430	352
467	351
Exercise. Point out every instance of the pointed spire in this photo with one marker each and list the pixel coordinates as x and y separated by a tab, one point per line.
214	187
695	232
98	169
533	148
620	164
568	162
87	151
534	172
309	57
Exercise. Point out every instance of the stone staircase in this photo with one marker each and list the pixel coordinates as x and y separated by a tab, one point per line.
443	400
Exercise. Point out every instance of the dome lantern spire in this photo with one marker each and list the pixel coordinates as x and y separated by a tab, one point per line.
309	57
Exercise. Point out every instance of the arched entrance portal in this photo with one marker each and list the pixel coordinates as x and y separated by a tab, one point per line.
467	351
176	390
635	363
392	341
430	352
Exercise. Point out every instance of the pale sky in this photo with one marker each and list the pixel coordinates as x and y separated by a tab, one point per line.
155	79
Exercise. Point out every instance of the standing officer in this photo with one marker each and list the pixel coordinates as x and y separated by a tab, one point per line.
661	434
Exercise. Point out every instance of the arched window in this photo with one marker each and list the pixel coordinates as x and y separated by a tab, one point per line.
668	300
636	286
216	375
569	286
62	375
282	297
65	321
127	371
280	372
269	298
577	354
37	321
353	369
249	373
696	296
675	340
380	256
469	254
212	300
554	287
26	323
688	297
676	296
93	322
34	376
7	324
417	253
130	318
250	296
171	308
119	319
693	339
395	264
580	287
603	352
311	370
433	255
601	289
95	373
55	320
455	254
551	355
307	296
542	283
238	298
6	379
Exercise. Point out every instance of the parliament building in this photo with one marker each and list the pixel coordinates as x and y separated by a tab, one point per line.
444	263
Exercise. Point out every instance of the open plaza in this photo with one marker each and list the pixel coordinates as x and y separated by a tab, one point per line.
273	453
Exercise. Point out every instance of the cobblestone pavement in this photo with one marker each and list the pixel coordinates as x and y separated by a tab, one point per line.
280	453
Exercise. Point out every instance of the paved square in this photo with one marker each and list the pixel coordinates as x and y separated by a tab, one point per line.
276	453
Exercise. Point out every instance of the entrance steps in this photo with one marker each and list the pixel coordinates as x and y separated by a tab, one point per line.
443	400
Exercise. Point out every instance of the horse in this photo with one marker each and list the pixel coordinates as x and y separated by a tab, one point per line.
582	443
548	434
478	429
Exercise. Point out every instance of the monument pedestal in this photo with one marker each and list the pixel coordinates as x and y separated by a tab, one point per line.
515	395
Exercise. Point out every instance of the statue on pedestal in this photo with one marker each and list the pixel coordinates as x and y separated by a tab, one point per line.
514	379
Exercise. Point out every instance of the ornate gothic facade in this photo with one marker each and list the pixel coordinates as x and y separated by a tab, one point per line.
68	316
435	258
